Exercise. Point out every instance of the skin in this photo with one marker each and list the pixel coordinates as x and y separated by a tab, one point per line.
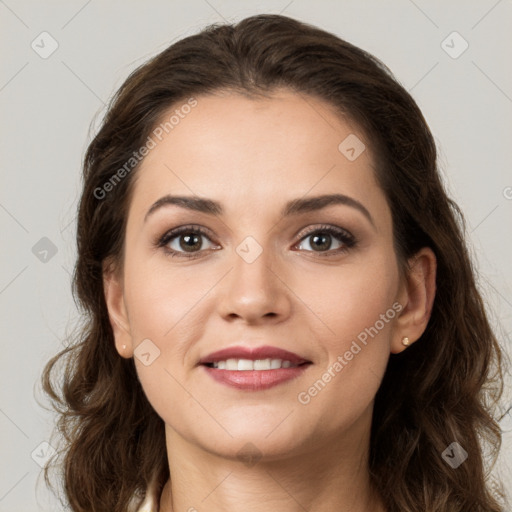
253	156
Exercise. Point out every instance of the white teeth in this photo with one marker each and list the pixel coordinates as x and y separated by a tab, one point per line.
275	364
231	364
249	364
262	364
245	364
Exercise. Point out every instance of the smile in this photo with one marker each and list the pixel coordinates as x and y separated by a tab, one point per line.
242	365
254	375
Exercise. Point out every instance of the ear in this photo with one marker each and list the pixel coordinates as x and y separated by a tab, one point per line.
416	296
114	297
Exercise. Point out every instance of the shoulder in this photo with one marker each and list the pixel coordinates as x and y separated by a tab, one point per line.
151	501
150	504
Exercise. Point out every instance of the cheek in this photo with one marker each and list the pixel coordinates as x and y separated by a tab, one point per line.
155	307
347	299
167	316
356	308
162	302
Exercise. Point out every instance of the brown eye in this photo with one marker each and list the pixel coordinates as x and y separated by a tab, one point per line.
190	242
321	242
322	239
185	240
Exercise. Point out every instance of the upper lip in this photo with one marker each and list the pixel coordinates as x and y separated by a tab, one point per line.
264	352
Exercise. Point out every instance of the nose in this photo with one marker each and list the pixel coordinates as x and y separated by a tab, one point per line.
254	292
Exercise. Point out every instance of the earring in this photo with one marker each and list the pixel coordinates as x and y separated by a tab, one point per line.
124	347
405	341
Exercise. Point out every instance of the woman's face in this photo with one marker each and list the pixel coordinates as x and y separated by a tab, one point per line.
263	272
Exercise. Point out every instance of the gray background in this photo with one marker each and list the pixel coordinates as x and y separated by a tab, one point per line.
51	106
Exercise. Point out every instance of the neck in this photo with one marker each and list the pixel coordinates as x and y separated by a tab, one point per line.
325	476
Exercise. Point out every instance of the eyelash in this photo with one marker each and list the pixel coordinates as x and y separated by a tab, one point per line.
346	238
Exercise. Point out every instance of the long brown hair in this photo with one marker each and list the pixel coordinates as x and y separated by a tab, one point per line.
443	389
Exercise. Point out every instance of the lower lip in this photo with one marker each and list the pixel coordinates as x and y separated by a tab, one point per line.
255	380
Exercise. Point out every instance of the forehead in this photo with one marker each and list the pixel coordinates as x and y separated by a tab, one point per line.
249	152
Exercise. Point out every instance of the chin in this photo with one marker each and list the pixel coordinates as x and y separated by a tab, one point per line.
268	437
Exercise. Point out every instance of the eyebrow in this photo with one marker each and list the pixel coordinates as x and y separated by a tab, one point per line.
294	207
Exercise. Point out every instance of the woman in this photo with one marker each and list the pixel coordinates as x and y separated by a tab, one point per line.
282	311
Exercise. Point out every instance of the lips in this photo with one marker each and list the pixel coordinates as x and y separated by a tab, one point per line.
257	353
276	366
289	366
